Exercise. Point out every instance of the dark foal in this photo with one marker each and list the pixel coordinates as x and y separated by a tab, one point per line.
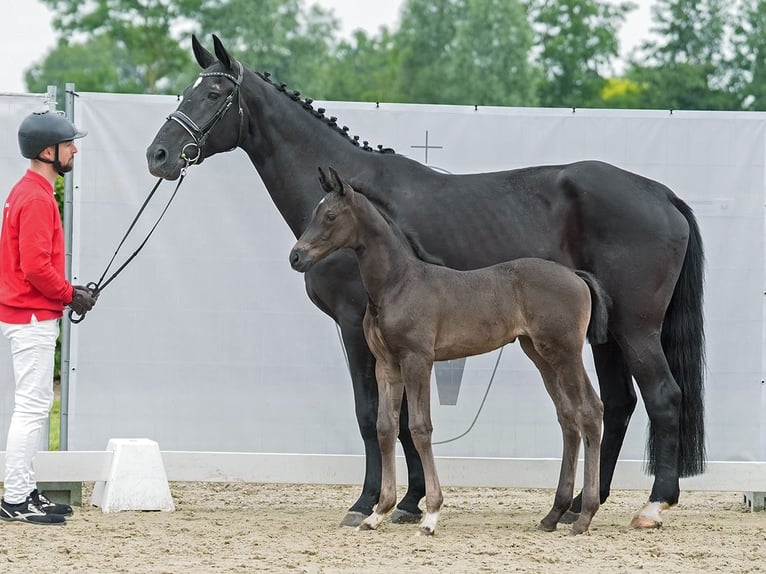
419	313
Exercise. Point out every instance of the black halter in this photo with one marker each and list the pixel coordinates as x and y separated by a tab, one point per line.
200	134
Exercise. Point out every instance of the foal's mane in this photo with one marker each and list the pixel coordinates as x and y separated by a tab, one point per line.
408	235
319	114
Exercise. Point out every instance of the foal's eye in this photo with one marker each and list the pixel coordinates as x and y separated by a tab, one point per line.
330	216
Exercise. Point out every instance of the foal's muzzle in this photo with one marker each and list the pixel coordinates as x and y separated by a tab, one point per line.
300	260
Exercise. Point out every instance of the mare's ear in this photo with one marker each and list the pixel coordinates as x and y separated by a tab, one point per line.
221	53
204	58
338	184
323	181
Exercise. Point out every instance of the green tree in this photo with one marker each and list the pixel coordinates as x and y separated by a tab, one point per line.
363	69
115	45
578	48
748	74
464	52
683	66
282	37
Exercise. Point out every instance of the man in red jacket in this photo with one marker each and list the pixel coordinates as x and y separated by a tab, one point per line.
33	294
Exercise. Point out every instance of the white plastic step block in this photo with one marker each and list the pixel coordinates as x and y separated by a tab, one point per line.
137	479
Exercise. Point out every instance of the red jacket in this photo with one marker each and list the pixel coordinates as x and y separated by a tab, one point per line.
32	277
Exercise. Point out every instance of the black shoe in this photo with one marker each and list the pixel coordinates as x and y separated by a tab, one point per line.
29	512
48	506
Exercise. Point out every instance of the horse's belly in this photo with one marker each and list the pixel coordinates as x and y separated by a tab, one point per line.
467	339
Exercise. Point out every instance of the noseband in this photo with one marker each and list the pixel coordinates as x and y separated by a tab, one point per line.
200	134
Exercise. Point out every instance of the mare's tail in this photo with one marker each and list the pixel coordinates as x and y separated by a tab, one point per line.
683	341
601	302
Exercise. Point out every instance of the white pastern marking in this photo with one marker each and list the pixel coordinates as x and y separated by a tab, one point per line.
374	520
652	511
429	522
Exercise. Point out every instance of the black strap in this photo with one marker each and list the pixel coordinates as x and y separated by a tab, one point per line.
99	286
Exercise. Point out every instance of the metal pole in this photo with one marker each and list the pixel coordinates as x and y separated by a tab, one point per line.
45	433
66	326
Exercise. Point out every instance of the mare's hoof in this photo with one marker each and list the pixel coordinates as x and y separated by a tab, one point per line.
569	517
352	519
399	516
649	516
640	522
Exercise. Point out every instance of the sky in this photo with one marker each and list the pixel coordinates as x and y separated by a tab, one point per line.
26	34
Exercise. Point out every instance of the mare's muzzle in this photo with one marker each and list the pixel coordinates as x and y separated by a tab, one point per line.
300	260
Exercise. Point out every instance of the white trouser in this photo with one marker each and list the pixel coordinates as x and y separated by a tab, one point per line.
33	348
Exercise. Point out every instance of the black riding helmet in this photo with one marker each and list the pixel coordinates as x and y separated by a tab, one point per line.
40	130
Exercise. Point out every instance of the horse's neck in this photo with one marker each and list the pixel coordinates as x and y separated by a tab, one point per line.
286	143
384	257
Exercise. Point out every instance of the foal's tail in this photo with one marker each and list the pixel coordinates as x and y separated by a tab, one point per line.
683	341
601	302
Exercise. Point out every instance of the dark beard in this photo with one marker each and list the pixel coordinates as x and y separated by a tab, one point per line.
66	168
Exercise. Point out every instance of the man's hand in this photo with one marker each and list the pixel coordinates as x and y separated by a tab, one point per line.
82	300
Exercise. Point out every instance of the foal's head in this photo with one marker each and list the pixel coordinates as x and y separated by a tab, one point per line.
332	226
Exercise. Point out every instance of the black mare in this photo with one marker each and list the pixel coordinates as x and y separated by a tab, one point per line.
635	235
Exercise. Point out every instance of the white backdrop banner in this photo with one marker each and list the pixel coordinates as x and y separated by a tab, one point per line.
207	341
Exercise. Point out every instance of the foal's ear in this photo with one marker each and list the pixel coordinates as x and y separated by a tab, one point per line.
221	53
204	58
338	184
323	181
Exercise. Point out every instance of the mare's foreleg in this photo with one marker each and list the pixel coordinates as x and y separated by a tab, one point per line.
390	391
416	372
362	368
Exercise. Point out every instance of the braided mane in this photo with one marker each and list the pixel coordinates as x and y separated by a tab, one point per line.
319	114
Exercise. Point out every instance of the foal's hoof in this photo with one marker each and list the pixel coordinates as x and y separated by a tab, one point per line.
399	516
352	519
425	531
546	527
569	517
364	527
578	528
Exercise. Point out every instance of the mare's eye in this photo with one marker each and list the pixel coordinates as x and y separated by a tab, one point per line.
213	96
330	216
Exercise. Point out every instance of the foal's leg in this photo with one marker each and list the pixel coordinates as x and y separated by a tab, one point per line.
416	371
590	413
554	380
407	511
390	391
619	402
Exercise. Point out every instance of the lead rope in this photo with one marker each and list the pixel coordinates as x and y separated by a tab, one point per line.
97	287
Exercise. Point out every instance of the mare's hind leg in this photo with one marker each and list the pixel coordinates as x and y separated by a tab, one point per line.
662	399
569	429
619	400
390	390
